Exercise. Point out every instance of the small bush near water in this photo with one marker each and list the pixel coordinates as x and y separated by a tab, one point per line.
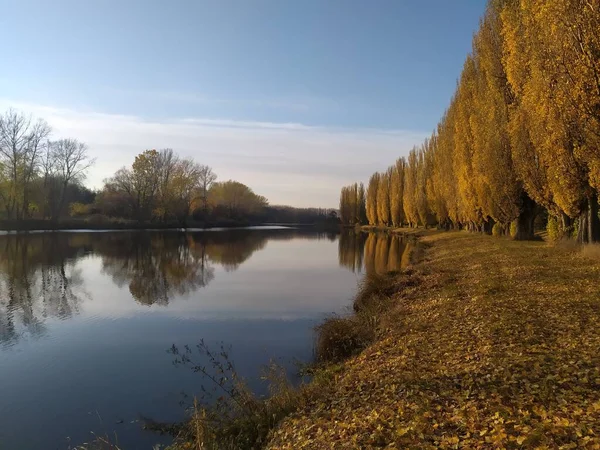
230	416
339	338
375	289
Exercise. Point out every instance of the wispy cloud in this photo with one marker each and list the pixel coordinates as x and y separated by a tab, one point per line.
301	103
289	163
225	123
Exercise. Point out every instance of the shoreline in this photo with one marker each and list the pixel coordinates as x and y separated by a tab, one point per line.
83	226
470	354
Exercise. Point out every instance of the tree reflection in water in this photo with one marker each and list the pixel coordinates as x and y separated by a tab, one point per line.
40	275
38	280
373	252
155	266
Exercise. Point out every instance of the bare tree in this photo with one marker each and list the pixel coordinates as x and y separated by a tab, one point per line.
71	161
22	143
207	177
167	162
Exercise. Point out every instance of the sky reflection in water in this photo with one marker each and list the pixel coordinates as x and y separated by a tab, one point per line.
86	318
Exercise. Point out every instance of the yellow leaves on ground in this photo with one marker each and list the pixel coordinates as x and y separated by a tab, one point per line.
497	347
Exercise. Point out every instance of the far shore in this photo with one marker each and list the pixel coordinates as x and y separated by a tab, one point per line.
84	225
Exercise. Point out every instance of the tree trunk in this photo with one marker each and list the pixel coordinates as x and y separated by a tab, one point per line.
566	223
526	219
488	225
589	223
61	203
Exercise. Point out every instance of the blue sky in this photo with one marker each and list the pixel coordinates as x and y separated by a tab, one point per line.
293	98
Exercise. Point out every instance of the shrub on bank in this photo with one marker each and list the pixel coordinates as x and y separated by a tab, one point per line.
339	338
557	230
374	288
238	419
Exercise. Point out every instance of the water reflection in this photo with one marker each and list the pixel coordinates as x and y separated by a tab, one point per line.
158	266
40	278
373	252
154	266
108	305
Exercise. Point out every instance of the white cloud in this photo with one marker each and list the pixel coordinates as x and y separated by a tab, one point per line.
289	163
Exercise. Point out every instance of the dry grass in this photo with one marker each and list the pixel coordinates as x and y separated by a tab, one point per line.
338	338
243	421
591	251
100	442
495	346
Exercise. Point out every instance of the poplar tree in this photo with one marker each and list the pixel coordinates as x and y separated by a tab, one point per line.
410	190
521	132
397	192
371	205
383	199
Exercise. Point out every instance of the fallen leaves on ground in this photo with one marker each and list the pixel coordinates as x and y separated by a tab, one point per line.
497	347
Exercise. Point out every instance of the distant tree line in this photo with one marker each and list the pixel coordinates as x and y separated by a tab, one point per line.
520	137
42	180
302	216
161	187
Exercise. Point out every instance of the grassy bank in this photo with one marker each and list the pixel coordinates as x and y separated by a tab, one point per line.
494	343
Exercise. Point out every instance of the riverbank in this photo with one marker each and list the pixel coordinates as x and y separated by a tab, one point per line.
108	224
495	344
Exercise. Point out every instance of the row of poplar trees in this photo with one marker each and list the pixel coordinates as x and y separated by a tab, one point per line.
521	134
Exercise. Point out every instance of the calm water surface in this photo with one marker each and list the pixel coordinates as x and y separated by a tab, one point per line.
86	319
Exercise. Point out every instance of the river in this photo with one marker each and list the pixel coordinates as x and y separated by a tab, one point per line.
86	319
